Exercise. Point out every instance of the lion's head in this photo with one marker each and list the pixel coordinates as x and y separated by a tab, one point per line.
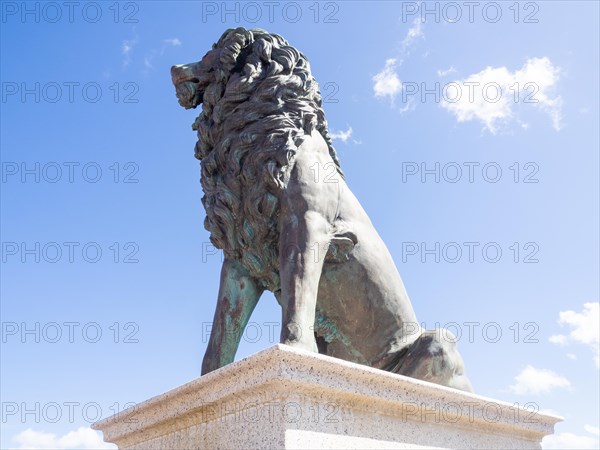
259	101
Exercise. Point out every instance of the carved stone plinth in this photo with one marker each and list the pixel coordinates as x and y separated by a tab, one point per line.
285	398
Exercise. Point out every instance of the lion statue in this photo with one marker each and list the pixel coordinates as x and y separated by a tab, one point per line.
278	206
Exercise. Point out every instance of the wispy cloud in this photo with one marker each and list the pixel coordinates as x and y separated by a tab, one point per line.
532	381
592	430
445	73
387	83
127	49
584	328
153	53
414	32
411	105
492	95
82	438
571	440
341	135
148	61
173	42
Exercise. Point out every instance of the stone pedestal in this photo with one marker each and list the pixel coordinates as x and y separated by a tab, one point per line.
285	398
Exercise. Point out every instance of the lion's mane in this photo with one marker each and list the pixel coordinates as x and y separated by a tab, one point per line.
259	101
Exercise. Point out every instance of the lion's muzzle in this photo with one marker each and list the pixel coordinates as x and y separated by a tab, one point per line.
189	84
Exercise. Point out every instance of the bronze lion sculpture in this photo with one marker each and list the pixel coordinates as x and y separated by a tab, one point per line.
278	206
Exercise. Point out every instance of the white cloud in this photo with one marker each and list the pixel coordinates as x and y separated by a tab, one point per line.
585	328
341	135
82	438
572	356
537	381
173	41
545	75
559	339
592	430
569	440
386	82
492	95
549	412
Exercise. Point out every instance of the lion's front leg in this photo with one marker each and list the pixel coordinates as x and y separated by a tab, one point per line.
238	296
301	265
308	208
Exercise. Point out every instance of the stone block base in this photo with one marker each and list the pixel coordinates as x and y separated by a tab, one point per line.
286	398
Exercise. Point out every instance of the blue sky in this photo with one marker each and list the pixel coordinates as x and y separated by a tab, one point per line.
97	156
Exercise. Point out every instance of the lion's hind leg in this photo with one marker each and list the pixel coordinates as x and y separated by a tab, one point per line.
433	357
